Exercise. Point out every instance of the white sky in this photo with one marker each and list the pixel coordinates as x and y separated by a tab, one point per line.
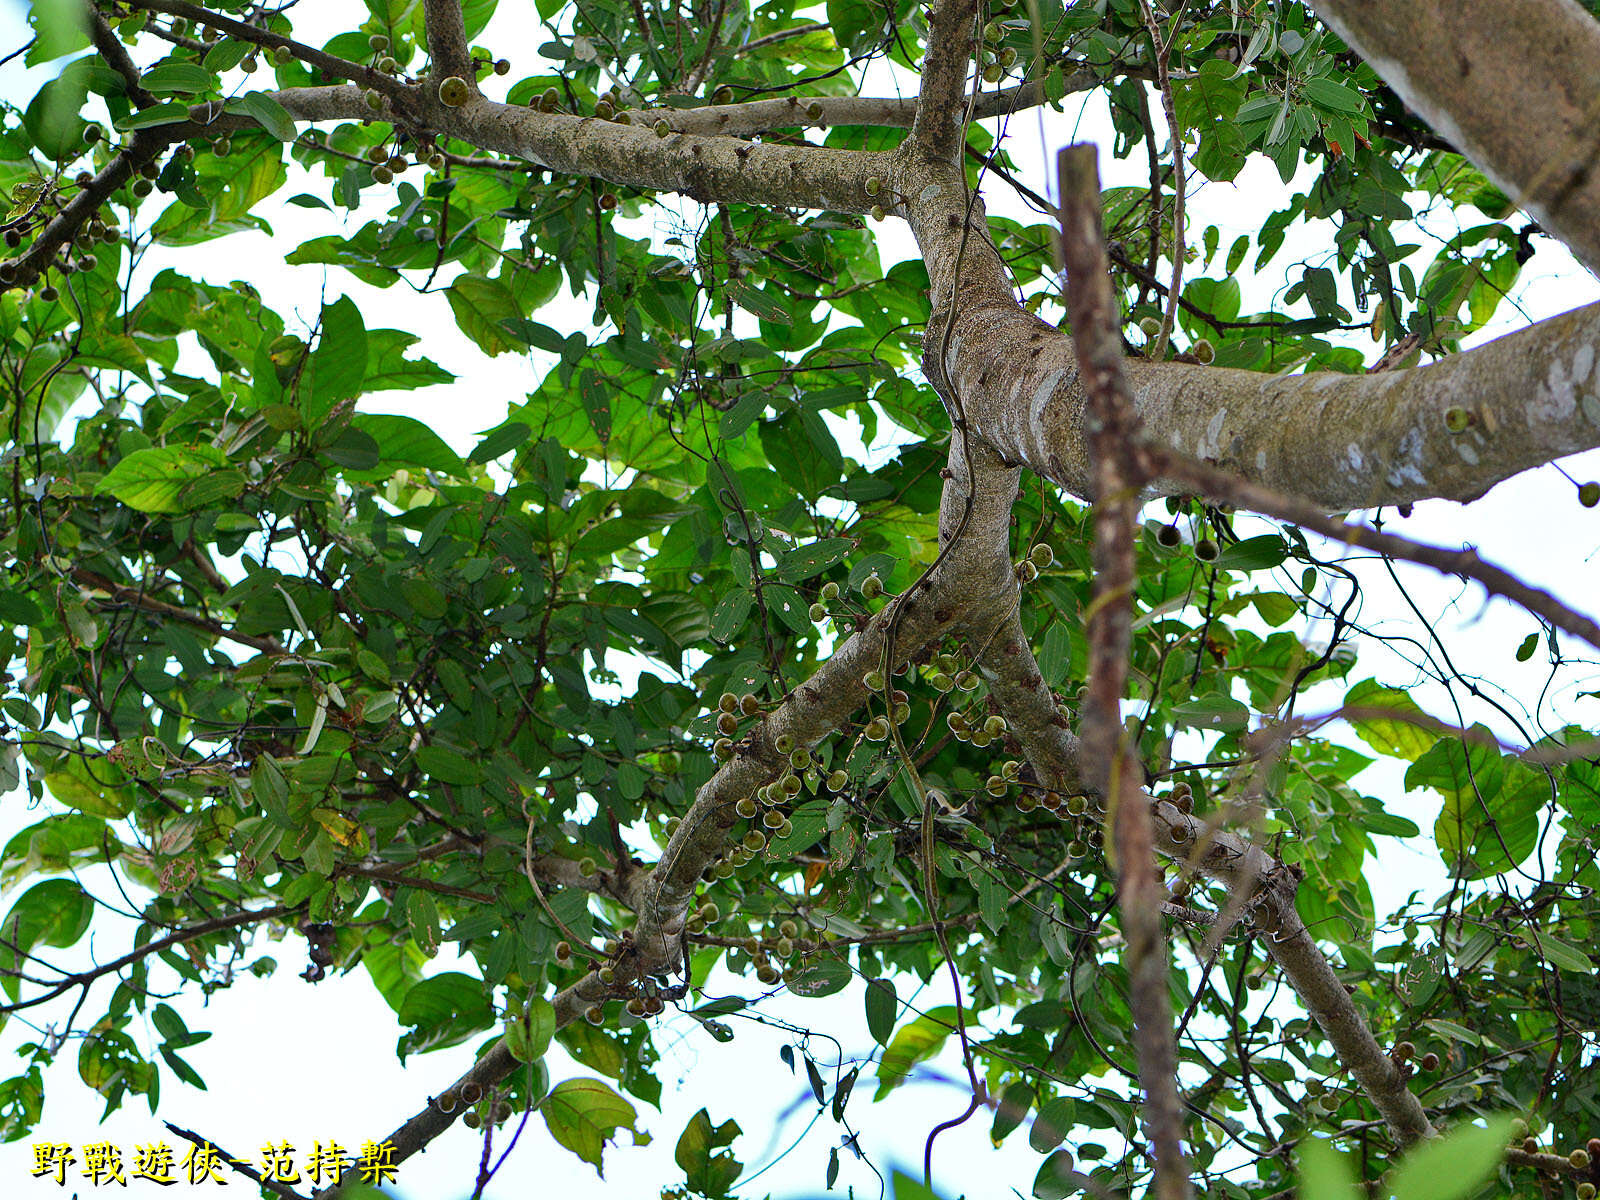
300	1062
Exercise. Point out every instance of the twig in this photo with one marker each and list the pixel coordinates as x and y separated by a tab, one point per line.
178	938
1162	51
238	1164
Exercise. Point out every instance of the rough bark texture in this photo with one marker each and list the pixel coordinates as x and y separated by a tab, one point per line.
1514	84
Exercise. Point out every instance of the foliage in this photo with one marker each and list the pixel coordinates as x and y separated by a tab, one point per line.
272	651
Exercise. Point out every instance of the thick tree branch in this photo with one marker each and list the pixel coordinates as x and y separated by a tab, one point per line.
447	40
115	53
1111	769
936	134
1342	441
1512	83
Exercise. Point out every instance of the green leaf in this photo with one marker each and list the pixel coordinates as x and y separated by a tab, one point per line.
1051	1126
1454	1166
821	978
1396	736
730	613
1054	1180
1254	553
481	306
1214	712
447	766
1562	954
805	561
501	440
528	1034
406	441
1325	93
388	368
146	118
185	77
584	1114
916	1042
883	1008
60	28
1325	1173
268	113
444	1010
338	365
167	479
1490	819
709	1173
56	913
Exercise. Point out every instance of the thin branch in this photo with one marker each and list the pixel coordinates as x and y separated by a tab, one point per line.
782	35
822	112
238	1164
138	598
1202	479
177	938
1162	50
1111	768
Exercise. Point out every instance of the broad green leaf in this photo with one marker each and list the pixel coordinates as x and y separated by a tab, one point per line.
443	1010
481	306
584	1115
1325	1173
1454	1166
169	479
912	1044
1403	735
709	1171
271	115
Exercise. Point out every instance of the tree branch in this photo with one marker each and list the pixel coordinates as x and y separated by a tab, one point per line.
331	65
967	581
821	112
177	938
139	599
1476	72
447	40
936	133
1111	768
1220	485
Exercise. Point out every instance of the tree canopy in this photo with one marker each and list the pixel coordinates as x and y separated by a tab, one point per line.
1058	701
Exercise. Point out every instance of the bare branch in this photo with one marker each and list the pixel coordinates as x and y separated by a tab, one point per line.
238	1164
1219	485
177	938
1110	767
138	598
